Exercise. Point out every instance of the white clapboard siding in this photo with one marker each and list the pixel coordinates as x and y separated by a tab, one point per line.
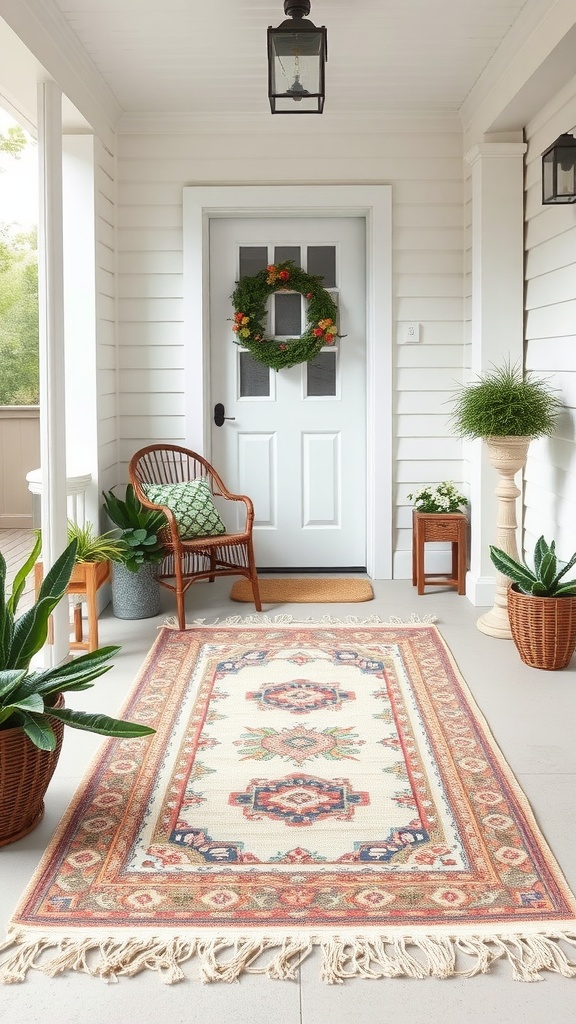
420	425
427	355
417	473
155	286
151	333
150	404
150	357
556	253
549	479
434	402
427	261
106	316
431	262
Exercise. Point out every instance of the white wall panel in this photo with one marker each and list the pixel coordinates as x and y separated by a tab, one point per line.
428	262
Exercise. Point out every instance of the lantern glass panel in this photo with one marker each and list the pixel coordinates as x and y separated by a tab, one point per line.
548	177
565	171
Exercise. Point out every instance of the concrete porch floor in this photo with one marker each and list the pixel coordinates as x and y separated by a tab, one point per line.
531	714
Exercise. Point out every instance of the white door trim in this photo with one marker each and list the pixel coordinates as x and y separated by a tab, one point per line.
374	203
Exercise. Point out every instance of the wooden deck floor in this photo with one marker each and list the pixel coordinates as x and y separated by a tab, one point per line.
16	545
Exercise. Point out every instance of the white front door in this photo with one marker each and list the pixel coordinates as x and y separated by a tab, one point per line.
295	441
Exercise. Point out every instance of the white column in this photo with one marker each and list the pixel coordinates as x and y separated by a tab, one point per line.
497	322
51	337
78	159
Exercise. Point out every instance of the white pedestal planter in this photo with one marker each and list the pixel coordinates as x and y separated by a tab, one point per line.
508	456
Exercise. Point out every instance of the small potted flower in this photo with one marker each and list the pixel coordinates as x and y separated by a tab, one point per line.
439	500
438	516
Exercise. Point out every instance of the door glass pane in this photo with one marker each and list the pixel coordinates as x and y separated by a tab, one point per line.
287	252
322	261
321	375
254	377
287	314
252	259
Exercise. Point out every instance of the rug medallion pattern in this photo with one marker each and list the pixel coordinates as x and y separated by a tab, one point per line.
302	778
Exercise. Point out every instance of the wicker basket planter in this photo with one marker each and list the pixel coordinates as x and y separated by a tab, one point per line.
543	628
25	774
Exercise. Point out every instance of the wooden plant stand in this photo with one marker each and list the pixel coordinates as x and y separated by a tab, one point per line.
86	579
445	526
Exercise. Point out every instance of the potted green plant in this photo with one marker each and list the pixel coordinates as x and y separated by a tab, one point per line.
505	402
439	499
32	712
541	605
94	554
91	547
135	587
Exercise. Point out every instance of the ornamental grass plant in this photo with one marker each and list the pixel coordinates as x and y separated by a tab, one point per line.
505	402
91	547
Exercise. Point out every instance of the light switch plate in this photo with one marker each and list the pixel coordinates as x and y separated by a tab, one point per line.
411	333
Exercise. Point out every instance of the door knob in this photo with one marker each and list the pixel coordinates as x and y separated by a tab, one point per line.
219	416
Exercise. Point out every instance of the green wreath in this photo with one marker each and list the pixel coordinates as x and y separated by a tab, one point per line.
250	313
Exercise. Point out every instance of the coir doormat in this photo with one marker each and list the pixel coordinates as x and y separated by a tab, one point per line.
311	788
307	590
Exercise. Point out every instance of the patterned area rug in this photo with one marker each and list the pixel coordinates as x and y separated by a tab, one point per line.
309	785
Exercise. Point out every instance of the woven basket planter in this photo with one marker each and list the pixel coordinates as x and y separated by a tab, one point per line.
25	774
543	628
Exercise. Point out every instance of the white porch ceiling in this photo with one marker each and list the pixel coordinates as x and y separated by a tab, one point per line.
182	56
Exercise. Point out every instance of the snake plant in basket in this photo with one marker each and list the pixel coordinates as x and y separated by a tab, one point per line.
541	605
32	712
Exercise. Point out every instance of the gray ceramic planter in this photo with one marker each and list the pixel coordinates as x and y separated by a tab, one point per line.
135	595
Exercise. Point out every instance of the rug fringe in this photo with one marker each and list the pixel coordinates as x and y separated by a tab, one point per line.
222	959
262	619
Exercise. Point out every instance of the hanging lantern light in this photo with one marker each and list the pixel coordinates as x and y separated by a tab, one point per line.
559	171
297	54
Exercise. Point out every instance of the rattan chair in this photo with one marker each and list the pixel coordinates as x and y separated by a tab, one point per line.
203	558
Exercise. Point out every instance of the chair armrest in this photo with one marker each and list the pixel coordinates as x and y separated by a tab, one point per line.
249	507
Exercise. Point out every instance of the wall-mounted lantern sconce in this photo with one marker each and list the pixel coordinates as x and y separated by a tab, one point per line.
559	171
297	54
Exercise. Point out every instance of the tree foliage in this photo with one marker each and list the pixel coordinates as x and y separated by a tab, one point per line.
18	319
18	301
13	141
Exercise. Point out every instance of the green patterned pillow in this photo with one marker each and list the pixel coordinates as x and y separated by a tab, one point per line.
192	505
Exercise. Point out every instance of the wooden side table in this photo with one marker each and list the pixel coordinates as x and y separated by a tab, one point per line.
86	578
451	527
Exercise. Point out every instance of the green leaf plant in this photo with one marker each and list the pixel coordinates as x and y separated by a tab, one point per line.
505	402
545	580
27	698
140	529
